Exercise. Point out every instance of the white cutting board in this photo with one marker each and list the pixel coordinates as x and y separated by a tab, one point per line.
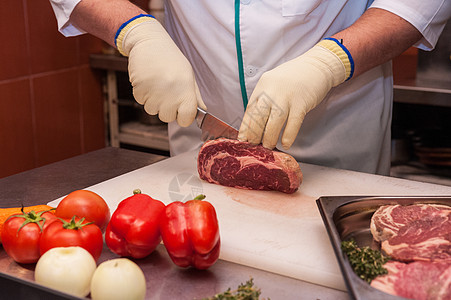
267	230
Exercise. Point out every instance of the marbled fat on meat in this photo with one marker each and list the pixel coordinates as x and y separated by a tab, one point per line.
419	232
243	165
417	280
386	283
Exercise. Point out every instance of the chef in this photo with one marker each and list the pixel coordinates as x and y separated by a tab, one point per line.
312	77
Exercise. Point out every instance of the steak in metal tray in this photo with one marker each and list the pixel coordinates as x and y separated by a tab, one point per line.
420	232
416	280
418	239
243	165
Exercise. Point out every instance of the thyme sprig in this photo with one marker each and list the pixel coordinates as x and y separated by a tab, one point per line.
367	263
245	291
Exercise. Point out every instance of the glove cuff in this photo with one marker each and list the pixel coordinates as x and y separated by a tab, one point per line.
341	52
124	28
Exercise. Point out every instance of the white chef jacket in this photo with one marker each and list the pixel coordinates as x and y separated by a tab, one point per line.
349	129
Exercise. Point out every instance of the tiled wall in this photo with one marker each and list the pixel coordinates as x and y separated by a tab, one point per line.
51	104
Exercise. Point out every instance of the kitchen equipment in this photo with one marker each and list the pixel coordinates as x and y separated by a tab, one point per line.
268	230
212	127
432	146
348	218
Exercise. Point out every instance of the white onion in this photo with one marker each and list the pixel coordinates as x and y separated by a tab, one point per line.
67	269
118	279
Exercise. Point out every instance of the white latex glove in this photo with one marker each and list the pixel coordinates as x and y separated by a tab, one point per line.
162	78
288	92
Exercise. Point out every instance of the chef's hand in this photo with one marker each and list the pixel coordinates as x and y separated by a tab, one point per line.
162	78
288	92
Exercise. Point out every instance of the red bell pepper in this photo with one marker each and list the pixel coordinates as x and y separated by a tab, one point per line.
134	226
190	233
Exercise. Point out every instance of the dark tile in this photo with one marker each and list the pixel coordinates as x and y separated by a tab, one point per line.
405	65
93	121
143	4
57	109
89	44
14	60
50	50
16	128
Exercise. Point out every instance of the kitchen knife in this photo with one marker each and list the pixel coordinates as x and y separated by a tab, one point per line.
213	128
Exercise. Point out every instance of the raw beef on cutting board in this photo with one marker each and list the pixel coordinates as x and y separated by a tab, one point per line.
243	165
420	232
417	280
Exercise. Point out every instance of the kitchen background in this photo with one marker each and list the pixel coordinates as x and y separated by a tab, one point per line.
51	102
61	97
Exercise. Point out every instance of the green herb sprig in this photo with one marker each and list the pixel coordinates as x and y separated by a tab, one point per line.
367	263
245	291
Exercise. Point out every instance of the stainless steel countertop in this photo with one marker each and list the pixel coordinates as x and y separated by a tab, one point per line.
164	279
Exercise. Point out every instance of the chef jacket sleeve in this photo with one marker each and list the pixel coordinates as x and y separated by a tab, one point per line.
428	16
63	10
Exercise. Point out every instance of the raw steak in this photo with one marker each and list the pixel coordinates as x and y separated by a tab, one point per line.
243	165
414	232
417	280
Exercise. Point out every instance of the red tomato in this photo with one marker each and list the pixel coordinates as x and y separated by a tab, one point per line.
84	204
21	235
74	232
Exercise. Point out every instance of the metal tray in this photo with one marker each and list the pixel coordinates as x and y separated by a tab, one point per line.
349	217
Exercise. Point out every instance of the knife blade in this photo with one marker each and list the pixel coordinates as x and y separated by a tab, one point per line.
213	127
